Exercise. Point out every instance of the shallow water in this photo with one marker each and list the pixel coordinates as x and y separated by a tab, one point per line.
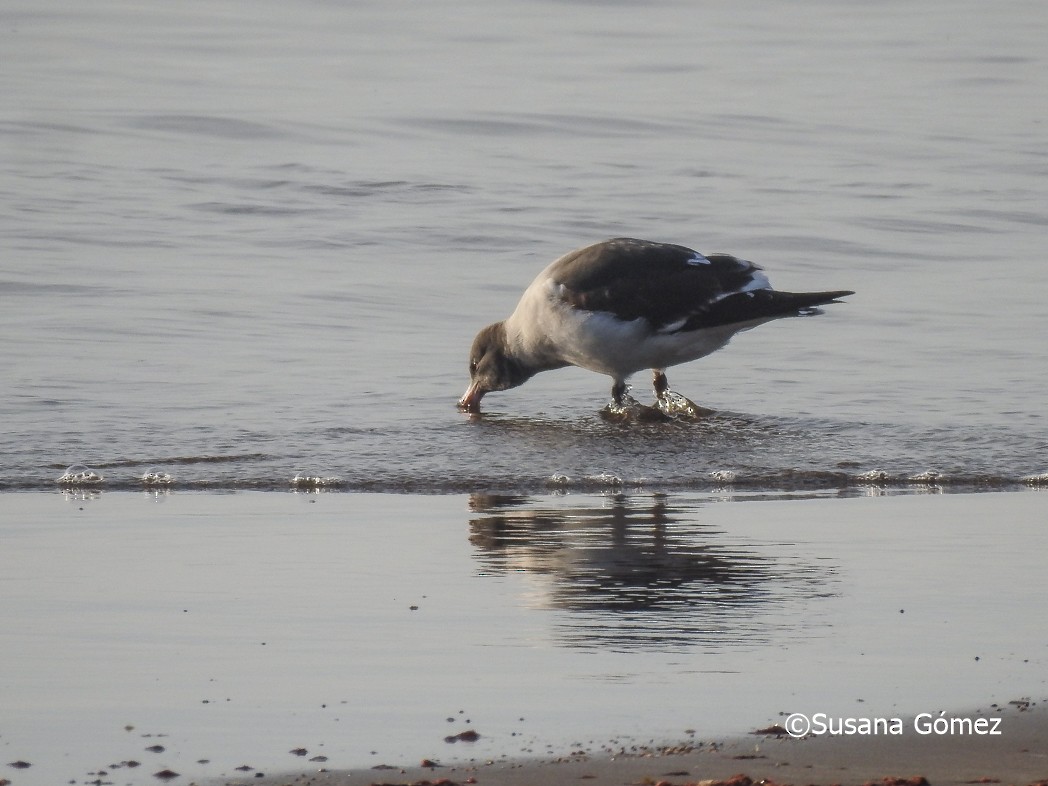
244	244
233	628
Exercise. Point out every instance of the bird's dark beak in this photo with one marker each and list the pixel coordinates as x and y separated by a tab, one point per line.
470	401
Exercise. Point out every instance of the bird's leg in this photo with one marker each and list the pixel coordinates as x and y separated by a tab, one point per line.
674	404
623	408
617	410
659	382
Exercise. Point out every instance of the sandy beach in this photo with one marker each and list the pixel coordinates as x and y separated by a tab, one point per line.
1016	754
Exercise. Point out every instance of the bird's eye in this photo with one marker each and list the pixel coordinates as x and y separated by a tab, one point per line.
472	367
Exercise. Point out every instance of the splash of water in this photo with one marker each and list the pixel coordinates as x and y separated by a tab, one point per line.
80	475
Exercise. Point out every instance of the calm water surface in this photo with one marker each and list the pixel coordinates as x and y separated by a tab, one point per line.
245	241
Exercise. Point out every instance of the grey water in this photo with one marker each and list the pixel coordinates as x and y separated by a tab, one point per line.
241	242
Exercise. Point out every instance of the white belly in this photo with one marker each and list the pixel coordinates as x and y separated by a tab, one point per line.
601	343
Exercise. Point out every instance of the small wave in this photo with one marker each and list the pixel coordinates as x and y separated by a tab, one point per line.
374	188
928	476
874	476
243	209
247	472
307	481
724	476
602	481
80	475
156	477
205	125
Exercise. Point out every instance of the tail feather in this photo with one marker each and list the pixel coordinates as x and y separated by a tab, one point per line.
800	301
761	305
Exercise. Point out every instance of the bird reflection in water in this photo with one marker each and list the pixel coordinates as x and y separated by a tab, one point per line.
638	573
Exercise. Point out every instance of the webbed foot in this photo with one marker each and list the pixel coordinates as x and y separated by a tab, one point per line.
626	409
674	405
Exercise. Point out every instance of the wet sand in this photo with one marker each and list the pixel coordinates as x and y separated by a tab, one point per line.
1017	755
201	634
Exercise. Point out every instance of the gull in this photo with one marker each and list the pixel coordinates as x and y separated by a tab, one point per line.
624	305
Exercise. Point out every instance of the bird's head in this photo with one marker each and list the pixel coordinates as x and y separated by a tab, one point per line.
491	367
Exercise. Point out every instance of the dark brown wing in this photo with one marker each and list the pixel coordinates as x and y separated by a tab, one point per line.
665	284
674	288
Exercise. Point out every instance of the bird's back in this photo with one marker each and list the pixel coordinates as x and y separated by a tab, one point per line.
663	283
